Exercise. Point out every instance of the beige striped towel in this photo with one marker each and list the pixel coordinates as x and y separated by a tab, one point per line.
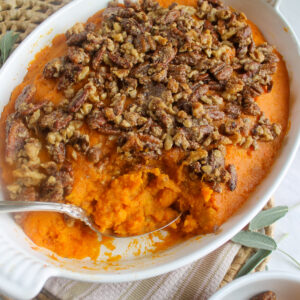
198	280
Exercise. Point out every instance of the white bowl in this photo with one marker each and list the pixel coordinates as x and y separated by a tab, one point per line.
23	270
285	285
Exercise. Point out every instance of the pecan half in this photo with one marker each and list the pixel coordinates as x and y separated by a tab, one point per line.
16	134
78	100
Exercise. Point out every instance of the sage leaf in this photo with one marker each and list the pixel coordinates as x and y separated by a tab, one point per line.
255	240
6	44
268	217
253	262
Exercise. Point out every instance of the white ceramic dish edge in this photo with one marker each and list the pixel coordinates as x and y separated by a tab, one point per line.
16	260
285	285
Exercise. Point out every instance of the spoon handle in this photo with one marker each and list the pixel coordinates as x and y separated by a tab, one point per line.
69	209
24	206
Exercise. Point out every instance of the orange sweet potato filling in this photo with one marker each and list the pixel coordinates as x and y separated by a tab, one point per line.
135	202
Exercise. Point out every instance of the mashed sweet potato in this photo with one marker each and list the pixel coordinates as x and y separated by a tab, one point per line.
136	199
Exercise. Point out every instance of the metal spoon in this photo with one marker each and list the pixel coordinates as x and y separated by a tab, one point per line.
68	209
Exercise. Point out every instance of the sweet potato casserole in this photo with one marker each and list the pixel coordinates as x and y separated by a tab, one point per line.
148	109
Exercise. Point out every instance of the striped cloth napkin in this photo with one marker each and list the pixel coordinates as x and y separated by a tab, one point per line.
198	280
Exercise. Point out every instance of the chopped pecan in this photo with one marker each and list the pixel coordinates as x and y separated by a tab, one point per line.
150	141
216	159
27	109
254	90
18	191
94	154
233	177
66	177
132	143
190	58
69	75
78	100
215	114
132	4
199	91
96	119
55	121
16	134
58	152
250	107
141	43
25	97
178	72
131	26
98	57
164	55
222	72
141	73
54	68
52	190
80	142
118	60
243	35
109	129
111	12
32	148
118	102
171	16
216	3
229	127
149	5
77	55
28	175
77	38
232	110
51	168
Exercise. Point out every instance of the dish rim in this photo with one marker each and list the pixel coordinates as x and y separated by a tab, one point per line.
241	282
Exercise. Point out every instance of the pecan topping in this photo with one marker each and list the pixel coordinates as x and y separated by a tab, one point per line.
153	79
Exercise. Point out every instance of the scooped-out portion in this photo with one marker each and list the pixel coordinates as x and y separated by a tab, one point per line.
146	110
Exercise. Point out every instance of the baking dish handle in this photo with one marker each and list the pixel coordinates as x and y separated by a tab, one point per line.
28	287
21	276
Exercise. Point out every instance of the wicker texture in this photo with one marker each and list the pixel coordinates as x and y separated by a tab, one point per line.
23	16
245	253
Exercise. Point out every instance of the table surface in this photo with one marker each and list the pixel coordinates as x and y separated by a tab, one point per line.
288	192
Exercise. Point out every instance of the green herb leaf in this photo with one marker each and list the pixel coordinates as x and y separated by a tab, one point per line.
6	44
253	262
255	240
268	217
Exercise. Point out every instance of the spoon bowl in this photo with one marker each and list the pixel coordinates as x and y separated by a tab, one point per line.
70	210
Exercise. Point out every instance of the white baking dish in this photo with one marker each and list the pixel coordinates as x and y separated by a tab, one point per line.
24	270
